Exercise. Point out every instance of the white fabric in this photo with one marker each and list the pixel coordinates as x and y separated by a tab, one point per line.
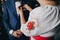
48	18
10	32
17	4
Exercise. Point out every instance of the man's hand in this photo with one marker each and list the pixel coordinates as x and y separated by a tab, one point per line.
17	34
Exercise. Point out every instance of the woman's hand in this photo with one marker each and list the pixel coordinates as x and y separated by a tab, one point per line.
27	7
19	9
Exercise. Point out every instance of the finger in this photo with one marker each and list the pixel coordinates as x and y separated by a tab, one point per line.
19	33
25	6
15	35
18	30
18	36
20	7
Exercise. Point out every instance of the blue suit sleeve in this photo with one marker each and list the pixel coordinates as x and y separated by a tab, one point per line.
6	19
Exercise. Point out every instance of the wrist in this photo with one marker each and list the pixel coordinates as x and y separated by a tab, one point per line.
21	12
11	32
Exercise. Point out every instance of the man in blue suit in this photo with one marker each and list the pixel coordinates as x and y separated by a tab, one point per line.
12	21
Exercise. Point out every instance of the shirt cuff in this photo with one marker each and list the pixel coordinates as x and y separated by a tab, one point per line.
10	32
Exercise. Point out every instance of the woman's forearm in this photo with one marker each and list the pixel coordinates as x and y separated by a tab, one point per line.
22	19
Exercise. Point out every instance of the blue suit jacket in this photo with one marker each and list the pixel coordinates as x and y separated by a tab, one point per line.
11	20
10	16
